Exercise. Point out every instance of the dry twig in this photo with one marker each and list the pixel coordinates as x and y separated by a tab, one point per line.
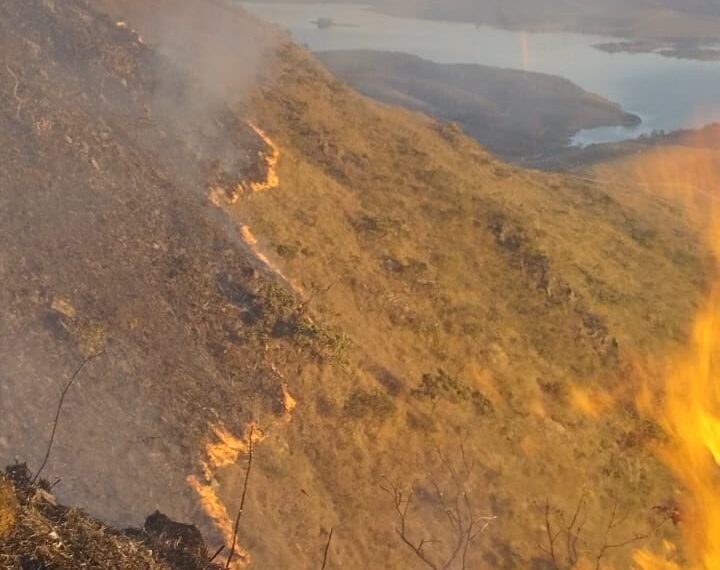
572	532
463	521
242	499
18	99
58	411
613	522
327	549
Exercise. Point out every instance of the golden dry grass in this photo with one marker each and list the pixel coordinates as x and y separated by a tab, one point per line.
8	508
485	303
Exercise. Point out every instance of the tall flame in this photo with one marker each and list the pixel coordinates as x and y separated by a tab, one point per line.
691	418
689	410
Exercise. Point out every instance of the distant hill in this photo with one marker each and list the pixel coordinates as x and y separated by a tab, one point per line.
513	113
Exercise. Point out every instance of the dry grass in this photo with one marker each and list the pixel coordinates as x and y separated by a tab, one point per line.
39	533
479	297
8	508
48	536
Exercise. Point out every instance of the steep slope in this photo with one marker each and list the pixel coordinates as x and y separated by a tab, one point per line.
491	304
411	336
113	255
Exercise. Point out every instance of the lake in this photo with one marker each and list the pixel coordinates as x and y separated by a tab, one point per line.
668	94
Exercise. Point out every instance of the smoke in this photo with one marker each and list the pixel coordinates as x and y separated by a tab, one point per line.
217	46
218	51
209	58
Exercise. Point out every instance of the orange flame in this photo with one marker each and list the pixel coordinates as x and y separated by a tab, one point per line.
689	411
223	452
272	180
221	196
690	417
251	241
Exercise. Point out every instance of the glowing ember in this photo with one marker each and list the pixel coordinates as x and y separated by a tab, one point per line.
289	403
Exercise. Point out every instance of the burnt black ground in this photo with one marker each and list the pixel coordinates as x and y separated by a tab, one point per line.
108	243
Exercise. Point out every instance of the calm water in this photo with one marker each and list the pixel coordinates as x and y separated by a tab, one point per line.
667	93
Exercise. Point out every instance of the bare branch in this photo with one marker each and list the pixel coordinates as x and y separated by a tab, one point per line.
214	556
18	99
573	534
613	522
327	549
243	497
402	505
58	411
463	523
548	529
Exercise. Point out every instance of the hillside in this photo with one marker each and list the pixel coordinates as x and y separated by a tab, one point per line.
413	341
512	113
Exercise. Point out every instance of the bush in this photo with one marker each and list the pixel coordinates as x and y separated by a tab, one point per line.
442	385
362	404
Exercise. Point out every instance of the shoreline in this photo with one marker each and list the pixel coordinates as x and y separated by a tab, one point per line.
693	50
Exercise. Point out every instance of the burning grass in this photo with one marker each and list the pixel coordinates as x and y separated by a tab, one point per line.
681	392
689	415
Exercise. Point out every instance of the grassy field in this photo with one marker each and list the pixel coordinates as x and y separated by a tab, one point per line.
495	314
